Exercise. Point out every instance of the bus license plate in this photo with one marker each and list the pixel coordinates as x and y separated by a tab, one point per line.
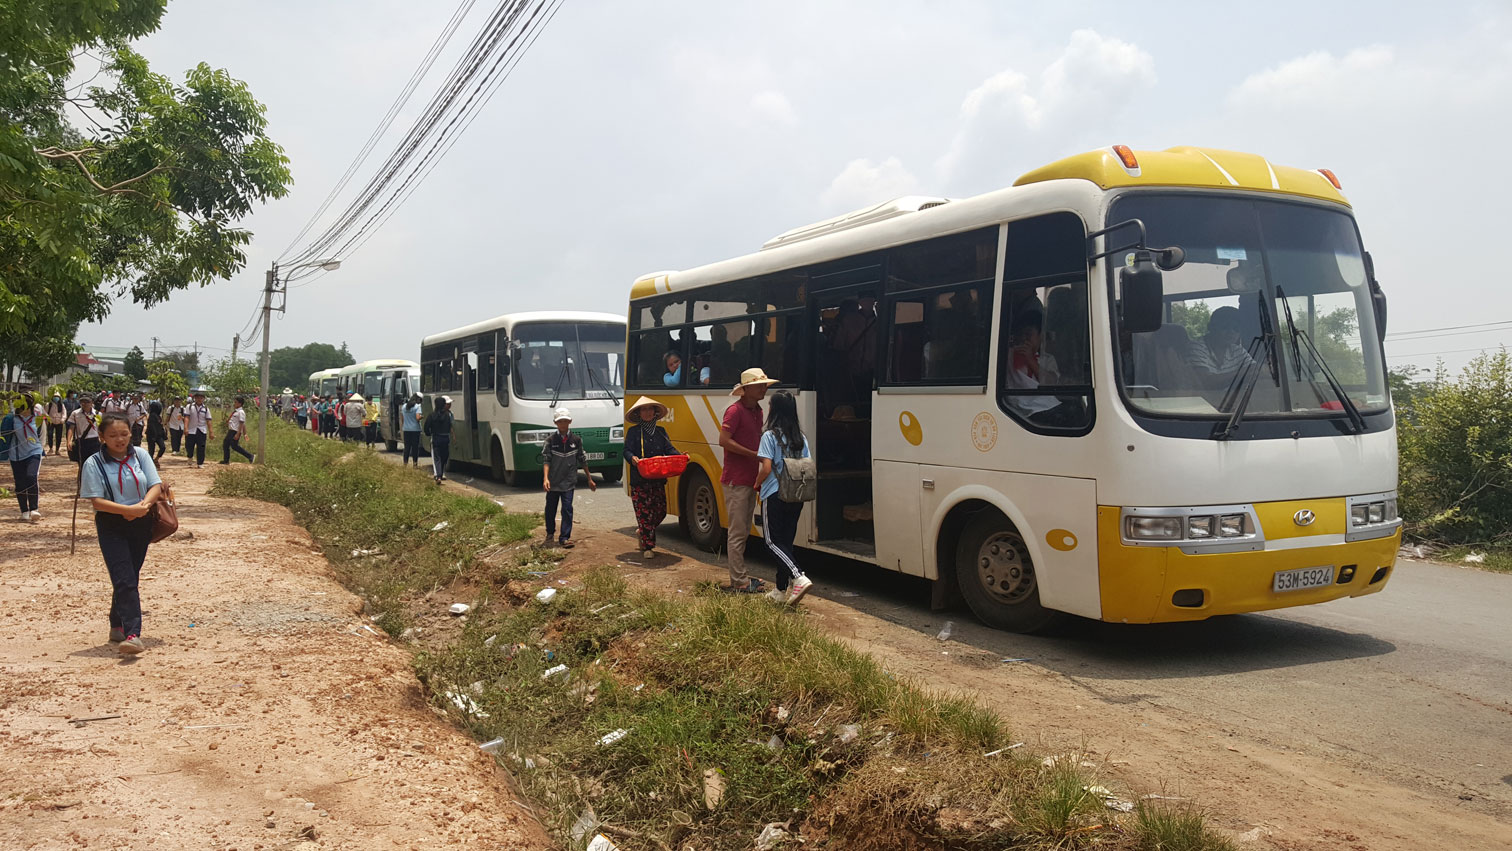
594	456
1304	577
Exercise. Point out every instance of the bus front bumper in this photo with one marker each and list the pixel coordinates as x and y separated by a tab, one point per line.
1158	584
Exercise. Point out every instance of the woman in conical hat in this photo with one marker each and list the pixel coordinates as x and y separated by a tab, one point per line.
645	439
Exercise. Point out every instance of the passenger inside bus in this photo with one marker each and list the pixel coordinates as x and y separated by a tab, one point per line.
673	376
1217	356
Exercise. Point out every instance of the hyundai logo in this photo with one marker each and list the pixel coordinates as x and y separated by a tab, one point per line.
1304	517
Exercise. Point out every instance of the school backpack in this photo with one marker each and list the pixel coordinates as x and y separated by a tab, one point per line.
799	479
7	426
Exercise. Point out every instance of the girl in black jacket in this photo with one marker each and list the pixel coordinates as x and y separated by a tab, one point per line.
645	439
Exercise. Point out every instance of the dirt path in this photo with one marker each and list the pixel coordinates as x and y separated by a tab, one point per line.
261	714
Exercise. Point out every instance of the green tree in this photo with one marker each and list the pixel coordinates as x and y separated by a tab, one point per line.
136	364
167	379
227	378
1456	455
291	366
143	201
1193	315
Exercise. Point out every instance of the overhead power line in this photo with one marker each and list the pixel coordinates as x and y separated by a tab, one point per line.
1450	330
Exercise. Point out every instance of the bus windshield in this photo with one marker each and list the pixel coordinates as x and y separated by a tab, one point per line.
372	384
1270	313
569	360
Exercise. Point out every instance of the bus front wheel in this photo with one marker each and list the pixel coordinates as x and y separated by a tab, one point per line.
997	578
699	512
496	462
612	474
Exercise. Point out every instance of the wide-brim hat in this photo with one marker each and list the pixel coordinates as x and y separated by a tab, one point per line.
751	378
644	402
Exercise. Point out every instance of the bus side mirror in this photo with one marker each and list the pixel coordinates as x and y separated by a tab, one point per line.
1143	296
503	364
1377	297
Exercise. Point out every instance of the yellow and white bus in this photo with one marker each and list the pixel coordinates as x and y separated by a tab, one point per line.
1135	386
507	375
325	382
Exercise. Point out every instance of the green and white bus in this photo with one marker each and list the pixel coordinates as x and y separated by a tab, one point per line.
325	382
507	375
385	381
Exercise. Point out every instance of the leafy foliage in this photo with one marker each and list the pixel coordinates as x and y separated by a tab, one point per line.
168	381
227	378
136	364
291	366
1456	455
142	203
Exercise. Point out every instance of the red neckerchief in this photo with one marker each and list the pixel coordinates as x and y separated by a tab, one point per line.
121	470
26	426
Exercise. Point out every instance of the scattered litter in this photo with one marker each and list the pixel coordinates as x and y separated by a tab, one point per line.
79	722
601	843
561	582
409	634
772	836
489	641
545	595
1253	834
783	714
1023	659
639	687
849	594
538	573
1153	797
1069	759
498	503
1001	750
459	608
774	743
586	823
603	608
713	788
259	537
946	630
439	526
469	481
476	688
360	553
551	672
491	746
1475	558
1110	800
611	738
375	633
848	732
466	704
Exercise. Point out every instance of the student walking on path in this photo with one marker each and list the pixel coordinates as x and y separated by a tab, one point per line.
739	437
235	428
410	416
57	414
198	429
438	427
136	416
24	435
176	425
645	439
122	484
561	458
157	434
84	429
783	441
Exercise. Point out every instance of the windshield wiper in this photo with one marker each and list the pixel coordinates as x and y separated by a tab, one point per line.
1243	386
1356	420
556	392
593	376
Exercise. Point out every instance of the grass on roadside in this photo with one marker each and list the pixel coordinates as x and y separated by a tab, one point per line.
736	713
1498	559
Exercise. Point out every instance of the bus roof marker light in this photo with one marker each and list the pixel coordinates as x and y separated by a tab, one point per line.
1331	178
1127	159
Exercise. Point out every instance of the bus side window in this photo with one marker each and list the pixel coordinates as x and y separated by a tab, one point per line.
1044	347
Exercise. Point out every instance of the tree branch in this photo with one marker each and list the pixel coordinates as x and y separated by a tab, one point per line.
77	157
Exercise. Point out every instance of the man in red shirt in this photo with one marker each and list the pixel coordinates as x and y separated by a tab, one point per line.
740	437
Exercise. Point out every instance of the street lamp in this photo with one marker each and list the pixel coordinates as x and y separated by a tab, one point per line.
330	265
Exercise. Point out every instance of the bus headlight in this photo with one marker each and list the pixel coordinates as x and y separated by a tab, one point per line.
1154	528
1201	526
1231	526
616	434
1373	513
537	437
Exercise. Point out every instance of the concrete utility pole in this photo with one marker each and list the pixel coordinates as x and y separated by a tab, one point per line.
154	348
262	404
235	343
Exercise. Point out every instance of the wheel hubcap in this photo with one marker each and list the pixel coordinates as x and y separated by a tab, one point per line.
1004	568
703	508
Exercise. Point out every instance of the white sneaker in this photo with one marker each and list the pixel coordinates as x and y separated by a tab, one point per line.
778	597
36	515
800	586
26	515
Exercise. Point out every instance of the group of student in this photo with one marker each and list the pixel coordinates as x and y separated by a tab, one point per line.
354	419
115	473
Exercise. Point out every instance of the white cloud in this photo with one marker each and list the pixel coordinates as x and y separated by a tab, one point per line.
1316	78
772	107
1012	119
863	183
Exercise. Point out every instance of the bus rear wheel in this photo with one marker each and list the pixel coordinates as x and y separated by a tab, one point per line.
997	578
699	512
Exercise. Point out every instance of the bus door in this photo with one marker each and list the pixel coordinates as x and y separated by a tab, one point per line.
397	393
470	401
843	306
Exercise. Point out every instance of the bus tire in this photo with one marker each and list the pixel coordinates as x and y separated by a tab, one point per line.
496	461
612	474
699	512
393	445
996	576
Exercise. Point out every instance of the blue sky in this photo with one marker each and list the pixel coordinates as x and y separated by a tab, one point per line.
661	135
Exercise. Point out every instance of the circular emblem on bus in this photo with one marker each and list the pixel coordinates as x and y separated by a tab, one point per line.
984	432
909	425
1304	517
1061	539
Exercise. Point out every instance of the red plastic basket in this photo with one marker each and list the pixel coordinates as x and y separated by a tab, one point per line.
662	466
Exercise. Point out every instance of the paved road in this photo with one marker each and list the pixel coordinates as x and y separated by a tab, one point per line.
1413	684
